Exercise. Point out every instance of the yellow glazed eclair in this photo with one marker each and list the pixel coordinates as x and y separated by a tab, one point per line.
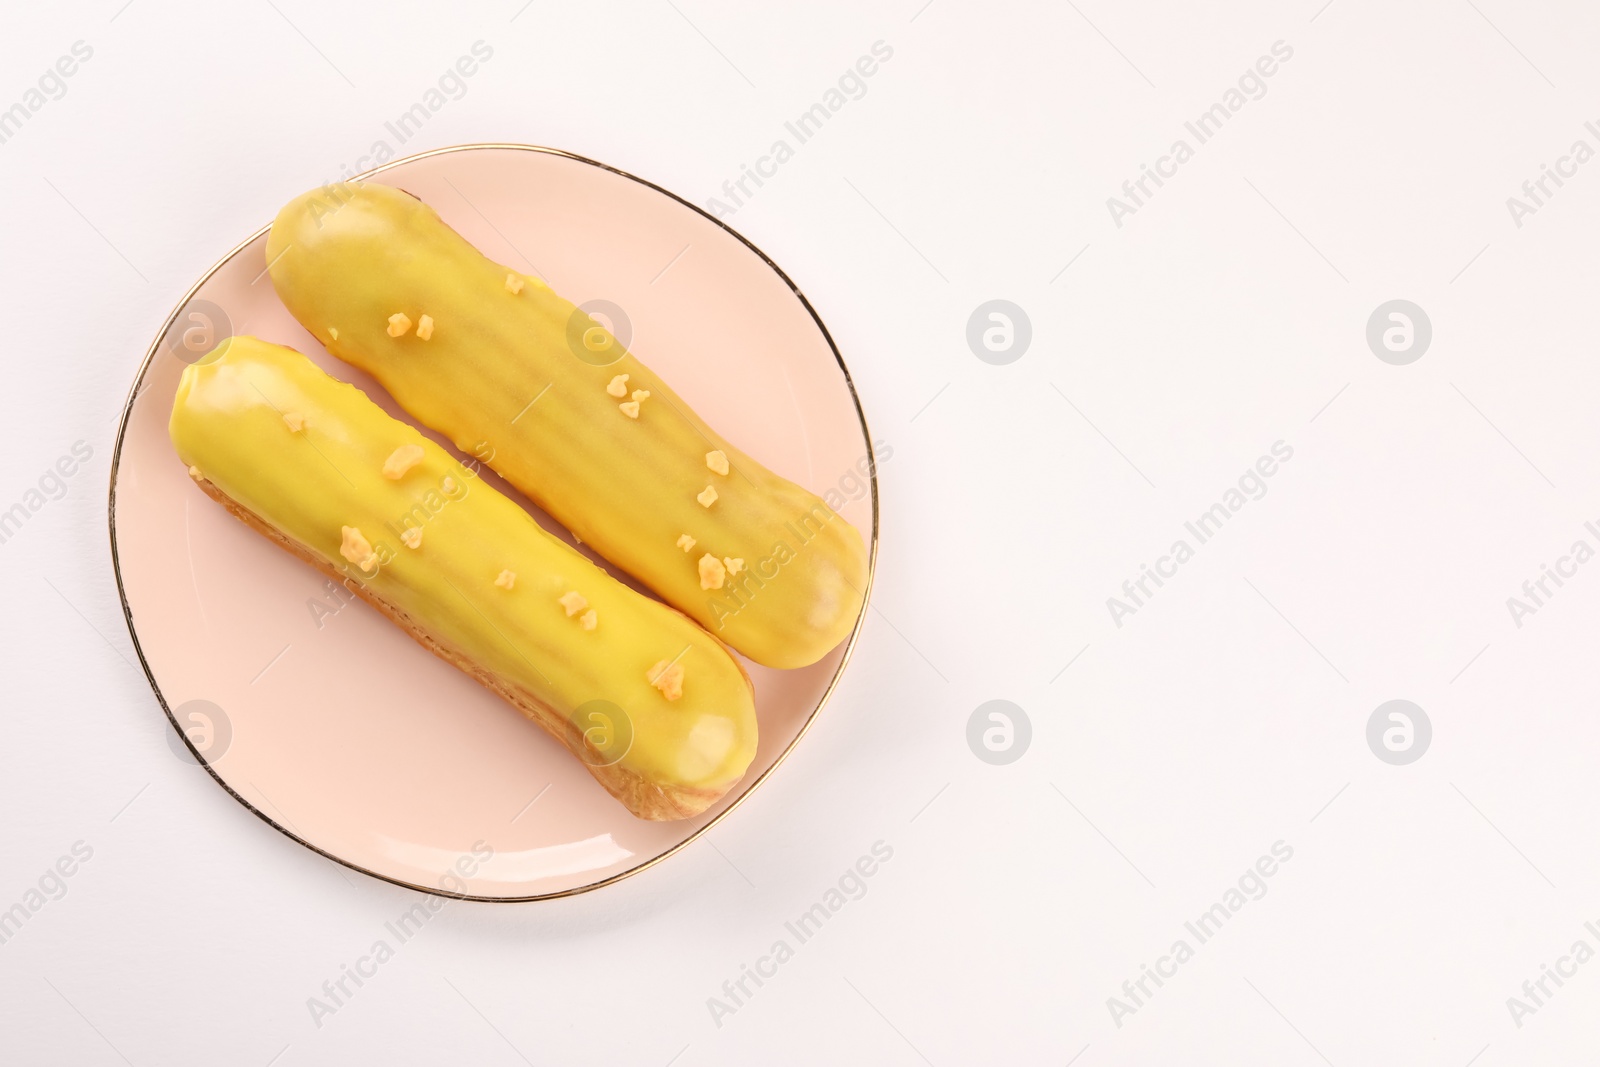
660	712
519	377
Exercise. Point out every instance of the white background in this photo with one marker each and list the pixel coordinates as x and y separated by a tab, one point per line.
1228	714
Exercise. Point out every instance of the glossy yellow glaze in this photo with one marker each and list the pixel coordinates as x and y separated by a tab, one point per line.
233	420
517	376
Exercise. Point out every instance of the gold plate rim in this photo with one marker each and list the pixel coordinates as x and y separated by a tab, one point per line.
833	683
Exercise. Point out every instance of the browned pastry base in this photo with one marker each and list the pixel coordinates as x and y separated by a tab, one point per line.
646	799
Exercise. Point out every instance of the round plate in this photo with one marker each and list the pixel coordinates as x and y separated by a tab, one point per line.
329	722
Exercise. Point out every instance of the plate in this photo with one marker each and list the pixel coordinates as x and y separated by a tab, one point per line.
326	720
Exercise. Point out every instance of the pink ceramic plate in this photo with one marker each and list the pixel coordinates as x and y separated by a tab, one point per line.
325	719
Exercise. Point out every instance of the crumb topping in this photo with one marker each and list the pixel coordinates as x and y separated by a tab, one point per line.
708	497
734	565
712	572
333	332
630	408
425	328
194	472
356	548
506	580
685	542
399	323
667	677
513	284
573	602
641	394
717	461
618	386
401	460
588	620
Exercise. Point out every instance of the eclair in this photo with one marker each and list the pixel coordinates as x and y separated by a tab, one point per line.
515	374
659	711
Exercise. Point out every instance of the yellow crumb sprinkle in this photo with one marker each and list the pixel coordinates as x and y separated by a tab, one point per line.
734	565
712	572
685	542
194	472
294	420
513	284
717	461
398	324
412	536
618	386
630	409
425	328
401	460
356	548
506	580
667	677
448	485
641	394
708	497
333	332
589	620
573	602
